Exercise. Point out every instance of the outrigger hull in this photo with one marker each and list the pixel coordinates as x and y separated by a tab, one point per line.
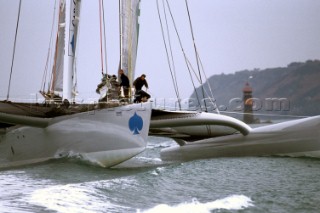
105	137
298	138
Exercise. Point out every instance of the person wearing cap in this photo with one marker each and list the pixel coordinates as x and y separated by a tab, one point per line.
138	84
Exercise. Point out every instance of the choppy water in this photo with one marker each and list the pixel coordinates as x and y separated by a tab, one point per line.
146	184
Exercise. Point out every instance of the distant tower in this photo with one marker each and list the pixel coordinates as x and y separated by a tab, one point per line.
247	100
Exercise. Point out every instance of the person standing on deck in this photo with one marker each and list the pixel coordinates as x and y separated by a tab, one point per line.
125	83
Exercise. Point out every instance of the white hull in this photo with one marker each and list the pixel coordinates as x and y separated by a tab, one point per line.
103	137
298	138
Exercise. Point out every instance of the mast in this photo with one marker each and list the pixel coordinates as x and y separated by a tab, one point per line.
14	50
68	59
120	33
129	12
71	35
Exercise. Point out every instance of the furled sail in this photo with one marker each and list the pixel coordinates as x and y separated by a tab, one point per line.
129	27
57	70
63	77
72	49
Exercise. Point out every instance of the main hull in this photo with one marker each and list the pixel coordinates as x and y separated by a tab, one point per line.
298	138
105	137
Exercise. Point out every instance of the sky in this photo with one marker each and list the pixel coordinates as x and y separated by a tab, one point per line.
230	36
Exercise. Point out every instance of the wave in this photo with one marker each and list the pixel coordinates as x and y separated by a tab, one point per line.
73	198
233	202
75	157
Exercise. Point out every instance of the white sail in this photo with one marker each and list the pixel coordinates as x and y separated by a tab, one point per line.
129	26
57	70
63	70
72	26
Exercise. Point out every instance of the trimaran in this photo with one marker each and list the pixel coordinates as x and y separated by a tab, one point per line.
111	132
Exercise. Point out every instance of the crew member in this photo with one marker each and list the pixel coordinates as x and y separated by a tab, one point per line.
125	83
140	95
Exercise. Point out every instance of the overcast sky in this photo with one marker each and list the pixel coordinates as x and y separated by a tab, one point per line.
231	35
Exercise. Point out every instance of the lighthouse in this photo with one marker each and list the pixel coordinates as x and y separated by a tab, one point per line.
248	104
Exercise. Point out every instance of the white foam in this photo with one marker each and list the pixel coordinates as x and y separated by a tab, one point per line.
146	159
157	171
233	202
161	145
71	198
76	156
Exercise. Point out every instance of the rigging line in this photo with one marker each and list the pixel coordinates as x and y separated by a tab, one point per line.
172	59
165	44
45	73
14	49
164	41
105	37
197	78
209	86
49	49
195	49
101	51
173	74
184	54
211	98
54	72
206	78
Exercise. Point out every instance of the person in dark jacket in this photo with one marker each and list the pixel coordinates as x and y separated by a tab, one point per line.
140	95
140	82
125	83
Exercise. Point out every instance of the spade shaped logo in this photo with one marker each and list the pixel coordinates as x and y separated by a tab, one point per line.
72	44
135	124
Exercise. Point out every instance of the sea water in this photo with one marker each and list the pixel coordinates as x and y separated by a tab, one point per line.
147	184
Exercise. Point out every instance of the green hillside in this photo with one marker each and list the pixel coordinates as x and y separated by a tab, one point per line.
291	90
